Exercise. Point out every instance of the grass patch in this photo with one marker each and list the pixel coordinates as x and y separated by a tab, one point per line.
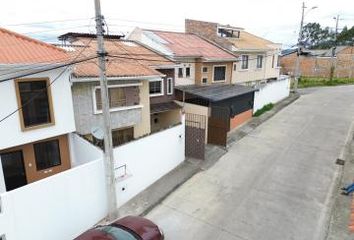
264	109
305	82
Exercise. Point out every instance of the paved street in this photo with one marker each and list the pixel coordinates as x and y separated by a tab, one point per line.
274	184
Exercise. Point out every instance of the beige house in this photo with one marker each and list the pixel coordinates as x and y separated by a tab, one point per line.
258	58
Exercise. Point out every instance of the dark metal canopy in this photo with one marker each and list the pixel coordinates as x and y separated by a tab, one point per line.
216	92
163	107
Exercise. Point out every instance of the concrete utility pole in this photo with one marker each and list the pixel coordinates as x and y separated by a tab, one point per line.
108	145
299	45
334	49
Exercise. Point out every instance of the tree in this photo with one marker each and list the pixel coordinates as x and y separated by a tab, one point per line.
314	36
346	36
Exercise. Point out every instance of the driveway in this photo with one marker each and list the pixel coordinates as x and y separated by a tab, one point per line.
274	184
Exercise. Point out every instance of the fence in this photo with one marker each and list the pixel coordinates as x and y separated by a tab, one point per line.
271	92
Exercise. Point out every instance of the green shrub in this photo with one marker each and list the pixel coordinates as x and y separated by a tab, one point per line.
264	109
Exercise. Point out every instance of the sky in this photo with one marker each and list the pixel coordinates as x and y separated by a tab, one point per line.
275	20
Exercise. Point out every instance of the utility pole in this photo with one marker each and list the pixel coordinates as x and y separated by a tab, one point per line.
334	49
299	46
108	145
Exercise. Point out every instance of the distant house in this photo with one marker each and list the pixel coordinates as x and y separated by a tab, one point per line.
258	58
204	81
36	111
317	62
140	83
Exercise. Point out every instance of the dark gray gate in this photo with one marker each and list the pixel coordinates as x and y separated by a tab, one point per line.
195	135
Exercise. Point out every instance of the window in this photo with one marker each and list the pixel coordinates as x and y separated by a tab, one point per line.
273	63
116	96
156	88
47	154
219	73
188	72
259	61
244	60
204	80
180	72
14	169
235	66
34	99
169	86
278	61
228	33
121	136
205	69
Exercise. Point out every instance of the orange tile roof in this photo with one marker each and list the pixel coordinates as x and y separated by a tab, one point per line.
134	59
19	49
248	41
187	44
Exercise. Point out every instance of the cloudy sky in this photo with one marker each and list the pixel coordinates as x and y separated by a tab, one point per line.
276	20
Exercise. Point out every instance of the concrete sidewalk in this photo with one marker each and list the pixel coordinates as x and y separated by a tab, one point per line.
157	192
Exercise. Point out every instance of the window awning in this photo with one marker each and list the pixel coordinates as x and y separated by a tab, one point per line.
163	107
216	92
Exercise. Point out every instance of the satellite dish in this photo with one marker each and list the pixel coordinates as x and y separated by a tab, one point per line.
97	132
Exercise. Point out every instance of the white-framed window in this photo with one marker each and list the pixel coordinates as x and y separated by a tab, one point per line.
156	88
259	61
244	62
204	80
219	73
273	61
169	86
235	66
117	98
205	69
278	61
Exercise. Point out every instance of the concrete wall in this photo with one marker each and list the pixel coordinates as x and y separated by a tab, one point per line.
85	117
147	160
82	151
165	120
62	107
58	208
143	127
184	80
271	92
210	74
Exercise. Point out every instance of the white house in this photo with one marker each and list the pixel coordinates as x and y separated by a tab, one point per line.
36	111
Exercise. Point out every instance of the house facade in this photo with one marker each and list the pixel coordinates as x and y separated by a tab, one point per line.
140	91
258	58
206	69
36	113
318	62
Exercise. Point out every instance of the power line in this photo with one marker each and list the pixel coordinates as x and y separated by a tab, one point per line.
45	22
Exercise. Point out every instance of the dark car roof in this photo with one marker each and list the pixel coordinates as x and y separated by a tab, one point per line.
94	234
141	226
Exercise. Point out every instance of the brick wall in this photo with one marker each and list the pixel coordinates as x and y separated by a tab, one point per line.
207	30
311	66
241	118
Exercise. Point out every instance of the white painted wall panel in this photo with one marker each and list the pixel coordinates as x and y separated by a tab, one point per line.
271	92
63	112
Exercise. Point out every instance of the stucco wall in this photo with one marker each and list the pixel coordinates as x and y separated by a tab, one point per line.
62	108
210	74
143	126
84	109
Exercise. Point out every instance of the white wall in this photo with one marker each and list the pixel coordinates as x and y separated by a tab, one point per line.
57	208
2	179
271	92
147	160
63	112
82	151
184	80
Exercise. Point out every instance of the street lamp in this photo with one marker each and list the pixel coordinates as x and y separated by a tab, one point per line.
299	44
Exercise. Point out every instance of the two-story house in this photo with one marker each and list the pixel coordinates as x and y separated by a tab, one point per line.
206	70
258	58
140	84
36	111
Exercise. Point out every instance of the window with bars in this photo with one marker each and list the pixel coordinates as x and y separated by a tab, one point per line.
244	61
219	73
35	102
121	136
116	96
156	88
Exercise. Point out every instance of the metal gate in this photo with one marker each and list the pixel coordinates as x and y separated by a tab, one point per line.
195	135
218	125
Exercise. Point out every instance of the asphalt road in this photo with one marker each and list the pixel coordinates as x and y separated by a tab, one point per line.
274	184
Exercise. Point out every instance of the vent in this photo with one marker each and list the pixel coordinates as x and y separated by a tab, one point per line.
340	162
